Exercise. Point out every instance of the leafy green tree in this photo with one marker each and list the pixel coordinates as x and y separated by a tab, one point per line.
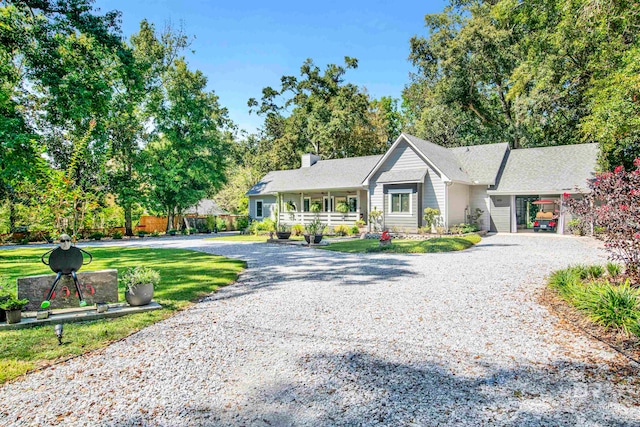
142	67
186	160
327	116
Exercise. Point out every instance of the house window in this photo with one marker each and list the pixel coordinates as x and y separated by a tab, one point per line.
307	204
259	209
400	202
353	203
328	203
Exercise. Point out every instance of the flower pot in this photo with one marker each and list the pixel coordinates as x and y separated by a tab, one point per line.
14	316
385	242
317	238
141	295
283	234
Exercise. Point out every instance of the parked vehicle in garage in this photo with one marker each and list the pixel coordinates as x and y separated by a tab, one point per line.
547	221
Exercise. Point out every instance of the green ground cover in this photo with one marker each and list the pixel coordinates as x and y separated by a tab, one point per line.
439	244
186	276
249	238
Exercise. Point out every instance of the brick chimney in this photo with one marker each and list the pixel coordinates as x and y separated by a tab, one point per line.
309	160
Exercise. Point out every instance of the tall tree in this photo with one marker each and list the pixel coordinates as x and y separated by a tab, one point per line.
142	67
186	160
327	116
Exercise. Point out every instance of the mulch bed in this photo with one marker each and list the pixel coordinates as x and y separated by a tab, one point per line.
571	318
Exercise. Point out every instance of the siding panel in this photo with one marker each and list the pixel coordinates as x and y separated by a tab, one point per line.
478	198
501	214
458	203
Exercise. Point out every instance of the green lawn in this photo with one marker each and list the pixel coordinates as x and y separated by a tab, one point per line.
250	238
439	244
186	276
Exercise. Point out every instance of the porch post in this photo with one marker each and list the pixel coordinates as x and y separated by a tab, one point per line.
561	218
301	207
330	208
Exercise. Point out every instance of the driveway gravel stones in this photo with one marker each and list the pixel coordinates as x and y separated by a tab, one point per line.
312	337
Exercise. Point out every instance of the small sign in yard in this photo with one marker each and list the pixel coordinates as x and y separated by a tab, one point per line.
97	287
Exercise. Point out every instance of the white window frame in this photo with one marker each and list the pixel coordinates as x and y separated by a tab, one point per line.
261	208
349	199
407	191
331	203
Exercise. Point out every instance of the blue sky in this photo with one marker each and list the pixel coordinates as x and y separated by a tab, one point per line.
243	46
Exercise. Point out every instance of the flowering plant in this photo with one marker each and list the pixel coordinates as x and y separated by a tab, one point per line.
385	236
614	205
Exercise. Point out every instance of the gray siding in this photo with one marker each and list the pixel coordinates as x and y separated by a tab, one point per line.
268	204
433	195
431	192
478	198
501	214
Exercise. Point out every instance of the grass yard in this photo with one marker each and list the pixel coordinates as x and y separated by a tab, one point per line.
185	276
439	244
249	238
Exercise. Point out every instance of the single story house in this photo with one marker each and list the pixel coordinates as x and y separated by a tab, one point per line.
415	174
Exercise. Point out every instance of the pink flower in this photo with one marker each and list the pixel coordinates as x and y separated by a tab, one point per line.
636	162
385	235
624	207
566	195
637	236
618	169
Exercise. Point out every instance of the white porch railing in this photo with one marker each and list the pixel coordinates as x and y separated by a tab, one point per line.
328	218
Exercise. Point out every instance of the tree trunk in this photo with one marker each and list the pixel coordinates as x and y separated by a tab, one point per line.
128	228
169	219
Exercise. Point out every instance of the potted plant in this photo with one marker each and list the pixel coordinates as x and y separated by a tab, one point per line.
314	231
343	208
141	233
315	207
139	283
291	207
362	226
4	296
173	232
117	235
13	308
283	232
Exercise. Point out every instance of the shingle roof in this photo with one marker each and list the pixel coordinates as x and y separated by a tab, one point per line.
206	207
443	158
324	175
548	170
481	162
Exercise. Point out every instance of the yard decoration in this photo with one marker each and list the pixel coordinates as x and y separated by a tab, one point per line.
65	260
385	238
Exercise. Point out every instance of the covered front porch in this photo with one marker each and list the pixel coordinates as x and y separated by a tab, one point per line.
304	207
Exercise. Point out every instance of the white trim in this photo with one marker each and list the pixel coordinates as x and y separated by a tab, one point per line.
331	205
407	191
262	208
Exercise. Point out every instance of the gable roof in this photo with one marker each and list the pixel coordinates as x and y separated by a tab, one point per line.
443	158
323	175
206	207
548	170
481	162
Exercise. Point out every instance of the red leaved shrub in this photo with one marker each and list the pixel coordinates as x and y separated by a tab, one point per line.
614	206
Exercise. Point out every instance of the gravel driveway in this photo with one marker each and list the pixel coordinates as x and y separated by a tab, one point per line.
311	337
